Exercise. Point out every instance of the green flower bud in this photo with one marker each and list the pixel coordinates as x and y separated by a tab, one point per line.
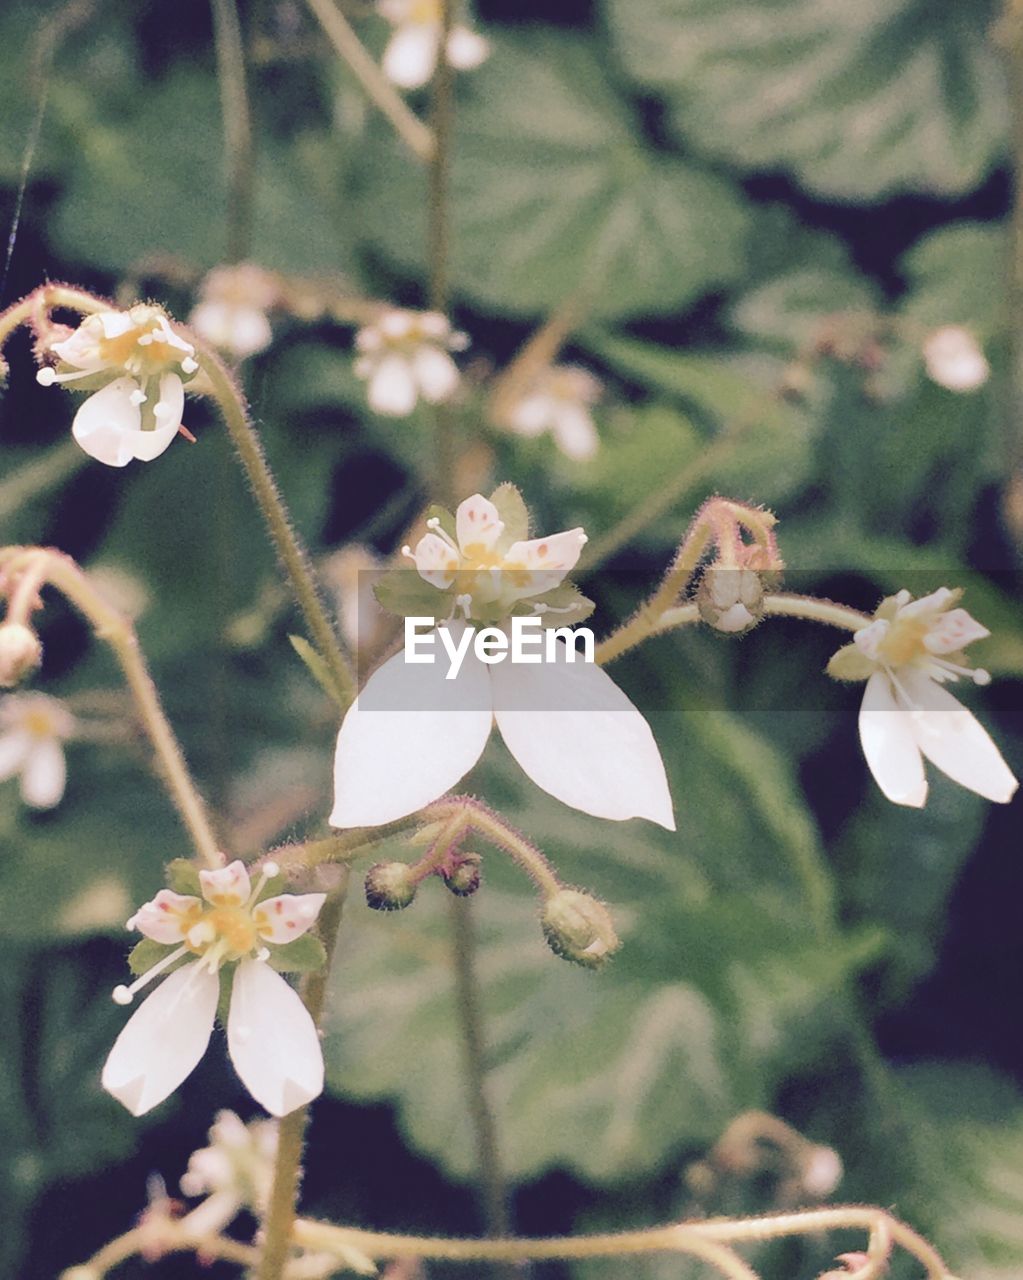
390	886
730	600
20	653
463	876
579	928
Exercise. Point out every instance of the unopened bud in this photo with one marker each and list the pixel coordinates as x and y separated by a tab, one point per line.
463	876
579	928
390	886
730	600
20	653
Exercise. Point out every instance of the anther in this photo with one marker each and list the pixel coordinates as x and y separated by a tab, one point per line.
121	995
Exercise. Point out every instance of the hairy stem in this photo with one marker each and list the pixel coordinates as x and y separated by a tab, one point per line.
377	87
289	550
442	120
238	147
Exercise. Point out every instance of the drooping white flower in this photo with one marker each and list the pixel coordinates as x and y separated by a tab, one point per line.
953	359
136	367
906	655
413	733
33	727
234	1172
560	402
405	356
232	309
411	54
270	1035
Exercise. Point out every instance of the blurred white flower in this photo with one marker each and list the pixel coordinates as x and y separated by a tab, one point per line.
33	727
270	1035
234	1172
136	367
349	574
231	313
953	359
911	649
412	733
403	356
411	54
560	402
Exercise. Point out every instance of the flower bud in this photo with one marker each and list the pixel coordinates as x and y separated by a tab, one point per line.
579	928
20	653
463	875
730	600
390	886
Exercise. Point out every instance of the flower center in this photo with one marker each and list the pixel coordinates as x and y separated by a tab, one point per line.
904	642
229	930
143	351
39	724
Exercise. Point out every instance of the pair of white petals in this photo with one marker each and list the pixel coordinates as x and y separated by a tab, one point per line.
410	58
903	723
412	734
397	380
108	426
271	1038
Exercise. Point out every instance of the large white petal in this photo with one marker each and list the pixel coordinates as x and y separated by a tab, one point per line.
436	373
579	737
45	773
147	445
14	748
106	422
889	744
574	432
392	387
411	54
409	736
272	1040
953	739
163	1040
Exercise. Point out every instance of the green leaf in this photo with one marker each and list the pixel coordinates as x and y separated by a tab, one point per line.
564	606
553	197
182	876
952	277
317	668
406	593
147	953
858	101
513	513
303	955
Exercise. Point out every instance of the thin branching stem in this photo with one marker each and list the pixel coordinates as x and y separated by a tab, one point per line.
238	140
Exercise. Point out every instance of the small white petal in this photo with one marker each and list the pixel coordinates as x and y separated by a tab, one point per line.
409	736
954	740
14	749
546	561
272	1040
477	523
532	415
436	373
954	359
578	736
392	387
44	774
411	54
163	1040
574	432
869	639
466	48
228	886
953	631
288	916
889	744
106	422
163	918
436	560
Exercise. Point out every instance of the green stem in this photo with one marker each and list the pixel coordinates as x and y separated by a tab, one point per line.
442	120
377	87
279	1222
275	514
234	105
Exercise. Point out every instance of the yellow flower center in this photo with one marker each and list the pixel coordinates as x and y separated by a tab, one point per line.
144	359
232	926
39	724
904	642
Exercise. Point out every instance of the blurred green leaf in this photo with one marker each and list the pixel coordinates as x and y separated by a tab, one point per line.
859	101
547	166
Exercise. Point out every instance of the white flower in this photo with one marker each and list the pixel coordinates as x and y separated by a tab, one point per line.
349	574
234	1172
906	655
411	54
403	356
136	367
953	359
232	307
560	402
412	733
33	727
270	1035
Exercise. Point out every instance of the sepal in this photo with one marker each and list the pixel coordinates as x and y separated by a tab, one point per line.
850	663
303	955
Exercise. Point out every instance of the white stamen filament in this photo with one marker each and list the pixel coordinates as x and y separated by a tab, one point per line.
125	995
267	872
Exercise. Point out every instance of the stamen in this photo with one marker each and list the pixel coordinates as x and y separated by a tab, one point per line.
46	376
188	365
124	995
267	872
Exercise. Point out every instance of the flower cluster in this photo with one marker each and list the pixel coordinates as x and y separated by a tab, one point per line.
413	733
232	309
906	655
229	924
136	366
405	356
233	1173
